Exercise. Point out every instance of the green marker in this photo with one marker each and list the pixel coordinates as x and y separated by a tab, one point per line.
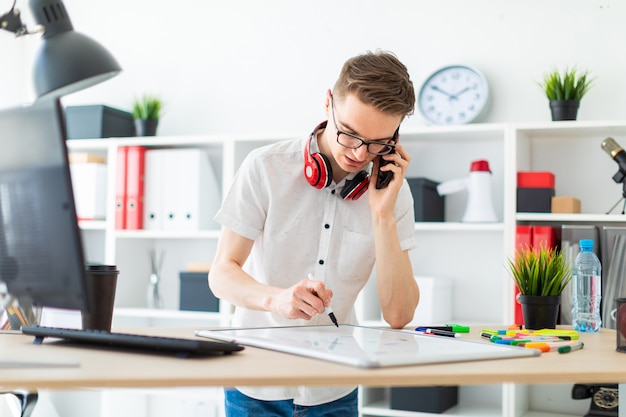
569	348
457	328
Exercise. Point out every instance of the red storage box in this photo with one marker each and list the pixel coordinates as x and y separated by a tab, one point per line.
535	179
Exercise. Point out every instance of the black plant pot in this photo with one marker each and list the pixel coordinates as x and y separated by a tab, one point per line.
564	109
540	312
146	127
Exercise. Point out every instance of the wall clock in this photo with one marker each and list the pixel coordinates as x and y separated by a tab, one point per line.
452	95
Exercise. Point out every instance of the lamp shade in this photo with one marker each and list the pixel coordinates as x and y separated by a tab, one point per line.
67	61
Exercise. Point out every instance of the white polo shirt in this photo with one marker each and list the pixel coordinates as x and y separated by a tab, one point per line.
298	229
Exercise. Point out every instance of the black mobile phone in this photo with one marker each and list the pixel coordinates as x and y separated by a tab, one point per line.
384	177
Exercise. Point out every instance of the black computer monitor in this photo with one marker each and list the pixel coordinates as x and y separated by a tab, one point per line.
41	253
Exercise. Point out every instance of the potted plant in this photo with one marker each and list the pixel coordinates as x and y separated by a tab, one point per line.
541	274
565	90
146	112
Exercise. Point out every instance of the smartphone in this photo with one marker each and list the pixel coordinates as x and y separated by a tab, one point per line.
385	177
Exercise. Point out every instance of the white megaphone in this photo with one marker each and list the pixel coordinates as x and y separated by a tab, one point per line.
479	203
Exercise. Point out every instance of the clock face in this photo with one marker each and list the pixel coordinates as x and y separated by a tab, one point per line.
453	95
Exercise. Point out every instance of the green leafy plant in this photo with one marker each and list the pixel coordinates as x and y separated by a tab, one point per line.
542	271
569	85
147	107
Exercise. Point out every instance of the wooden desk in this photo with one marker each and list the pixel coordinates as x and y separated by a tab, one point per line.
598	362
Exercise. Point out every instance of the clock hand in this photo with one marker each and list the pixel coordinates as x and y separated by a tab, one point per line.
436	88
456	96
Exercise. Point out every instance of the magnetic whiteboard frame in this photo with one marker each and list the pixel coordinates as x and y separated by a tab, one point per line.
366	347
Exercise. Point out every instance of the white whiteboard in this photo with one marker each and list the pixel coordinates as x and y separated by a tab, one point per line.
367	347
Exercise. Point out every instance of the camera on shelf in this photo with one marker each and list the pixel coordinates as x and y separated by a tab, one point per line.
604	398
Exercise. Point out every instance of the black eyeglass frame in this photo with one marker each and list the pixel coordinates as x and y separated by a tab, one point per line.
391	144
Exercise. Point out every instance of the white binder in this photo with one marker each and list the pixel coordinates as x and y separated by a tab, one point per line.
89	186
153	195
182	192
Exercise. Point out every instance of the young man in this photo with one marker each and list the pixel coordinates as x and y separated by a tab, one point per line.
304	225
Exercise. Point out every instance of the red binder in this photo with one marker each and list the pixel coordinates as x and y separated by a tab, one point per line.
523	240
544	235
135	187
120	189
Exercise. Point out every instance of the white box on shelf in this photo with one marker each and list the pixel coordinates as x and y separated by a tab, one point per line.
435	306
89	182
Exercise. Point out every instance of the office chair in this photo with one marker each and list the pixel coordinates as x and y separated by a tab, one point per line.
27	400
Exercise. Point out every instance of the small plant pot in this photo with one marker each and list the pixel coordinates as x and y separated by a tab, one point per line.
564	109
146	127
540	312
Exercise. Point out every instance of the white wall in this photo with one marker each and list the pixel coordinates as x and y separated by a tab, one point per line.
264	66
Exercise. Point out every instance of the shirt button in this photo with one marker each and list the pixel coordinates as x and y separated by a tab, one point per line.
332	192
327	226
321	262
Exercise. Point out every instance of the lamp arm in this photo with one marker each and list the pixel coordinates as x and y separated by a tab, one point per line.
12	22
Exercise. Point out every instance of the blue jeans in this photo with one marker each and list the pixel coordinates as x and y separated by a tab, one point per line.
240	405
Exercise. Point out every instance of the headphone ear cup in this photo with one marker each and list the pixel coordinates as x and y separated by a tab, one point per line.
317	170
356	187
325	170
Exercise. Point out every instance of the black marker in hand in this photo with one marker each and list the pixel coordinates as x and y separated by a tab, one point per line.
328	310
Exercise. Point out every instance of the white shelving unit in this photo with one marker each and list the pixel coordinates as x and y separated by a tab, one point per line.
571	150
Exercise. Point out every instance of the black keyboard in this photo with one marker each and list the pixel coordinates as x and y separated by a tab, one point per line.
134	342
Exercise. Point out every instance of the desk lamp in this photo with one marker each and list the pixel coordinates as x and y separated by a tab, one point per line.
67	60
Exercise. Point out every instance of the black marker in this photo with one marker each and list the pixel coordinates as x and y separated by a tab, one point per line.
425	330
328	310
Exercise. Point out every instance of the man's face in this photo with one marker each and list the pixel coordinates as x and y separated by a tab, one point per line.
354	119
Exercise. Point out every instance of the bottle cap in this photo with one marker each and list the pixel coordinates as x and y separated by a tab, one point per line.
586	243
480	165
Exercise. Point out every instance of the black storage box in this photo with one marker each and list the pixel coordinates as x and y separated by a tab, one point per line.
195	293
534	200
98	121
428	204
424	399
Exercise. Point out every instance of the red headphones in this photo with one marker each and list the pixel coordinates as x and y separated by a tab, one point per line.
319	173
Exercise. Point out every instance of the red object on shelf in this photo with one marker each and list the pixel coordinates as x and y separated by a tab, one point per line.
523	240
135	187
545	235
120	189
480	165
535	179
530	237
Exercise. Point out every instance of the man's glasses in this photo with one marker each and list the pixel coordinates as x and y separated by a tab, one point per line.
352	141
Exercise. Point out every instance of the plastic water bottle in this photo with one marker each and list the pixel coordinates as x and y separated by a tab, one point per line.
587	289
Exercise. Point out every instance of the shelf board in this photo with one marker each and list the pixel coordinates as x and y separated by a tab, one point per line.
452	133
178	140
167	234
152	313
573	128
458	227
92	224
570	217
381	408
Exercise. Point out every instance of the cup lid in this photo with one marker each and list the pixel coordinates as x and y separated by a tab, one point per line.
100	267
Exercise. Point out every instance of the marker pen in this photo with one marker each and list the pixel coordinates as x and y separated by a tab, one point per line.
328	310
426	330
456	328
567	349
547	346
